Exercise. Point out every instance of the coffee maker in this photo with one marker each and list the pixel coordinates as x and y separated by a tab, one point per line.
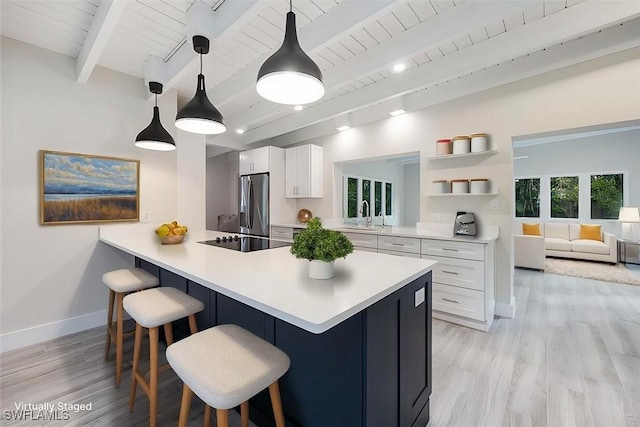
464	225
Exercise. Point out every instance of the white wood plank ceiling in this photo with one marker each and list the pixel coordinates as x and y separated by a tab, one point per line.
355	43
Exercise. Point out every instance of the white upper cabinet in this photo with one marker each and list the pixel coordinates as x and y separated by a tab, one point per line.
254	161
303	171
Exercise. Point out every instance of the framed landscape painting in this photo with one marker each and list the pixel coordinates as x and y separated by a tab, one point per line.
78	188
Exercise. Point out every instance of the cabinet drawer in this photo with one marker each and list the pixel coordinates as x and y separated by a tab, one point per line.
464	250
363	240
398	253
281	233
458	301
360	248
401	244
458	272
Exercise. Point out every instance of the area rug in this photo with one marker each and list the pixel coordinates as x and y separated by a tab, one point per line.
591	270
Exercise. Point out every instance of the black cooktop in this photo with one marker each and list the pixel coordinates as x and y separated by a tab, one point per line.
244	243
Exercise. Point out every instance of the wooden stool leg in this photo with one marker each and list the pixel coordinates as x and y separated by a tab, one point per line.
276	403
119	326
185	406
168	333
153	376
134	369
193	326
244	413
207	415
107	347
222	417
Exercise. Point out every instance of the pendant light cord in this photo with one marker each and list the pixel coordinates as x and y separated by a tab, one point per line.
156	99
290	5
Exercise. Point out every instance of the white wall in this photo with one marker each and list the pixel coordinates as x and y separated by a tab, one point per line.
411	195
222	187
51	275
600	91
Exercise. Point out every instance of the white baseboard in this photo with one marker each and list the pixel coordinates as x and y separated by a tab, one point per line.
48	331
506	310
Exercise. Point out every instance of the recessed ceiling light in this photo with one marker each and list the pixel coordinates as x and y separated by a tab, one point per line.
341	128
239	131
397	112
398	68
298	108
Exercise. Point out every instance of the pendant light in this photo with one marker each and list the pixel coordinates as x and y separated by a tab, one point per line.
289	76
155	136
199	115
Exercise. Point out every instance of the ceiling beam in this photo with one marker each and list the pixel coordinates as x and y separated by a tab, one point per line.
324	29
201	19
612	46
102	26
565	25
432	32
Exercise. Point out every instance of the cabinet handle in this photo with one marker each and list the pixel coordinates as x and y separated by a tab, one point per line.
450	300
397	244
450	272
449	249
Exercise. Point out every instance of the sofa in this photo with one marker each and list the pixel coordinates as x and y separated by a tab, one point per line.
564	240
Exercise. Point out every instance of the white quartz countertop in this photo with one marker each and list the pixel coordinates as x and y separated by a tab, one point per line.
437	232
273	280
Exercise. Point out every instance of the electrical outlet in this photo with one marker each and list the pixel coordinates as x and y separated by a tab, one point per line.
494	204
145	216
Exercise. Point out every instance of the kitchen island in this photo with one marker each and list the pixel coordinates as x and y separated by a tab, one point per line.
360	343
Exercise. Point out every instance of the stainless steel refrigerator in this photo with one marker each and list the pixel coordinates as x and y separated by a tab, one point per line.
254	204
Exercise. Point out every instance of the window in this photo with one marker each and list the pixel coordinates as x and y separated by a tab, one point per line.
606	196
528	197
564	196
377	193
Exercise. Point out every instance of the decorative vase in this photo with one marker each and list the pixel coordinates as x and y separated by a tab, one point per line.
320	269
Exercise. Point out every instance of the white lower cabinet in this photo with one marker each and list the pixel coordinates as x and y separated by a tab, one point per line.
361	240
399	244
458	301
463	281
398	253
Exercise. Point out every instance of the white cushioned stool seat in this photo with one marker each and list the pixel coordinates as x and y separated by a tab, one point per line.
129	280
157	306
226	365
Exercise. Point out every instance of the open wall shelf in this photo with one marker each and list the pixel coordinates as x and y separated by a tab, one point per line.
479	155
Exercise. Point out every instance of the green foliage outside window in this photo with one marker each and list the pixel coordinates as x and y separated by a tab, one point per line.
564	196
352	198
606	196
528	198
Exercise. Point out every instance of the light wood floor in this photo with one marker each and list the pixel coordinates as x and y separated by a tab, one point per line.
570	357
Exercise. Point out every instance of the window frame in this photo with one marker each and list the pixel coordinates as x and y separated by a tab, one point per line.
371	201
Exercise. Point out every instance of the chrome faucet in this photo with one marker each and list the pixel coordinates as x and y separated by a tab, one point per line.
382	215
369	219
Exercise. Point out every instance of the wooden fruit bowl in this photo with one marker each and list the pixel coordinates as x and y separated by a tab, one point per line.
172	239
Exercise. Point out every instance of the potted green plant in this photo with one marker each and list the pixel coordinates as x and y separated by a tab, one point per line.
321	247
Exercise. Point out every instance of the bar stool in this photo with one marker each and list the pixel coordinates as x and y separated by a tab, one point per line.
120	283
151	309
225	366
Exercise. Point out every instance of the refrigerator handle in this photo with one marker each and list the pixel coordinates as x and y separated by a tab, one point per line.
250	208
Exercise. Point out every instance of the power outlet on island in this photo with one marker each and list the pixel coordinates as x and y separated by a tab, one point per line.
145	216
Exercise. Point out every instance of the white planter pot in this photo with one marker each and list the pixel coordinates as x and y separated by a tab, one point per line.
320	269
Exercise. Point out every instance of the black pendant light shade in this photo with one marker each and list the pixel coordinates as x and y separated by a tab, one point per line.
290	76
155	136
199	115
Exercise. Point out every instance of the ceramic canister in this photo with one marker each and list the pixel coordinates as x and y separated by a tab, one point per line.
443	146
480	186
441	187
459	186
478	142
461	145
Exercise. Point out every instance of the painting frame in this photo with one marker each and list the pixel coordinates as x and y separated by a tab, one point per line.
78	188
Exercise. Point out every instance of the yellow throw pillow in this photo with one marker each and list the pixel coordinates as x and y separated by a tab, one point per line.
590	232
531	229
